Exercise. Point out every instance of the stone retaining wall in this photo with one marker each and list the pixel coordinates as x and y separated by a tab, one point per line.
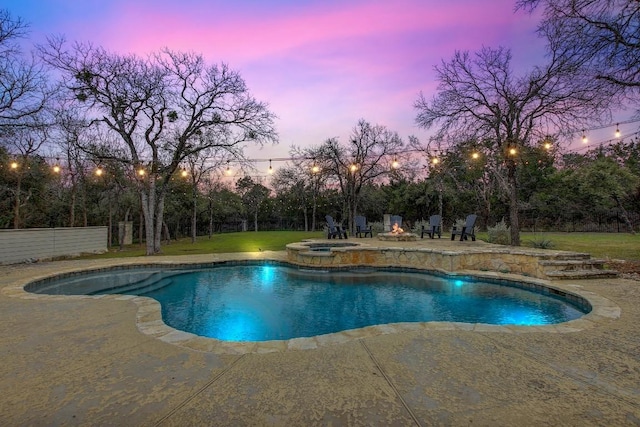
513	262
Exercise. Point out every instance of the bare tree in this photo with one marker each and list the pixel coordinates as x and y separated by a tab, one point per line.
601	37
302	182
253	195
25	142
163	109
24	93
479	97
200	165
24	89
291	185
366	157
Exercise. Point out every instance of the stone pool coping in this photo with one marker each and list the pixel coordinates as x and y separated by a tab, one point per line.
149	318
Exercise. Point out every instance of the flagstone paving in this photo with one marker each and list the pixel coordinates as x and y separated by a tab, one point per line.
110	361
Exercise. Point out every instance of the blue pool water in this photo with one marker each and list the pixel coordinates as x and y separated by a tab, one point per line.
272	302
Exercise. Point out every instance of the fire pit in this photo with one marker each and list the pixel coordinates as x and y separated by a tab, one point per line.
397	234
397	237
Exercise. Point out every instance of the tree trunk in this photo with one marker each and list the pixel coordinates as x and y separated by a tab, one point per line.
313	213
513	204
141	225
159	213
110	225
625	216
255	220
352	218
352	206
305	212
148	221
16	206
153	210
72	207
84	206
167	233
123	232
440	202
194	216
210	218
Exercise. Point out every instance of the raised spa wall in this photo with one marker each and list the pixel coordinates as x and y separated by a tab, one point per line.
500	260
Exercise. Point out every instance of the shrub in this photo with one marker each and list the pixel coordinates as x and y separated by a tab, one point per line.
499	234
542	243
417	226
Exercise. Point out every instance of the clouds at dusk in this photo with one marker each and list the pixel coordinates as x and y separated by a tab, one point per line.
320	65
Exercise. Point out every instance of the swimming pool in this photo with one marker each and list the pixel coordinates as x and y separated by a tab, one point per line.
262	302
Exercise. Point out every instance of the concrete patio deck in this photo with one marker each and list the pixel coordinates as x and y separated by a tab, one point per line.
84	361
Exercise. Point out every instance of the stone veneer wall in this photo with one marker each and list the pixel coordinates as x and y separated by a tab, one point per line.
428	259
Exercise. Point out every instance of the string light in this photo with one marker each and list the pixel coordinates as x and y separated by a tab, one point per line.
56	166
315	168
546	144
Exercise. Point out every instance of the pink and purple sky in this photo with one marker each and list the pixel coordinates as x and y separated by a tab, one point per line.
321	65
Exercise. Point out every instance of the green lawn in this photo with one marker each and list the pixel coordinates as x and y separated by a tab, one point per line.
599	245
249	241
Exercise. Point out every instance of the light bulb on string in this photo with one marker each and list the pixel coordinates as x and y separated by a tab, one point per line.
315	168
14	165
184	173
99	171
228	171
584	137
395	164
475	155
353	167
617	130
270	168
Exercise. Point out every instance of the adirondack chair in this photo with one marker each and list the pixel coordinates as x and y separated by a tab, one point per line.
435	227
467	229
334	230
362	228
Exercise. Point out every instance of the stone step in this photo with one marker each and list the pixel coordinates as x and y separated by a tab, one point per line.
581	274
582	264
566	256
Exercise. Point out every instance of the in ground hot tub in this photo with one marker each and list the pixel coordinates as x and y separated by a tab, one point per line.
326	247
